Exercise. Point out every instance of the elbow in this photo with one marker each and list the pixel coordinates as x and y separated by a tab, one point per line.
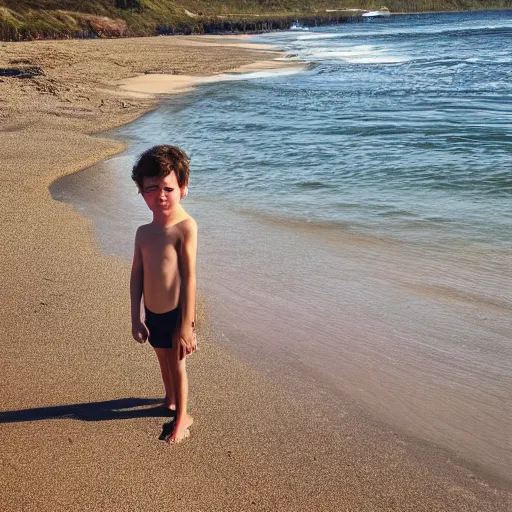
136	281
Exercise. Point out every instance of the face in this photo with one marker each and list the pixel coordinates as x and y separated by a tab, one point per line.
162	195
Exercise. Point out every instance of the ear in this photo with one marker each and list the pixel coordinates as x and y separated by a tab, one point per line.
184	192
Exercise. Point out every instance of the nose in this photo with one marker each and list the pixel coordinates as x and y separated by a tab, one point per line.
161	195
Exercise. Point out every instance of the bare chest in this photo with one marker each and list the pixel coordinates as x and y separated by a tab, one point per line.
160	249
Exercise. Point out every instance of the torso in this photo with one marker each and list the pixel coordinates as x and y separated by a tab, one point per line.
160	249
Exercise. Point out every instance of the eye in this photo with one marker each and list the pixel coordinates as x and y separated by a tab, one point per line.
168	189
150	189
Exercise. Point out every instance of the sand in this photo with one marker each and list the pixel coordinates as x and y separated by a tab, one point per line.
80	419
173	84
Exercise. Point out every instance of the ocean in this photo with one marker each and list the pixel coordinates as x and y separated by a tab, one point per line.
355	219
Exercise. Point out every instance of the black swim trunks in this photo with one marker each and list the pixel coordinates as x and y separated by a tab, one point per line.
162	326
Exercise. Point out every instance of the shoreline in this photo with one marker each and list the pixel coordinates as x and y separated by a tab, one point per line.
158	84
67	341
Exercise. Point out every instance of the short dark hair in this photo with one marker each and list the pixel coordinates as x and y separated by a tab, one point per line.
160	161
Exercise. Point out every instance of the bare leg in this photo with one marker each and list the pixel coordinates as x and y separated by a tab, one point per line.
163	355
179	372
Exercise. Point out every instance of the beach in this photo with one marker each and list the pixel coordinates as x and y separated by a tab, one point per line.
80	414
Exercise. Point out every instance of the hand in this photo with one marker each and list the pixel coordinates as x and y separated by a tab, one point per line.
188	339
140	332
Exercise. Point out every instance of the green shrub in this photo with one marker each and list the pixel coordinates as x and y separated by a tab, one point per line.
35	19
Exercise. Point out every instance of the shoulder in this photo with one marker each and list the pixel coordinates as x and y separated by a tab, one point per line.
188	226
142	231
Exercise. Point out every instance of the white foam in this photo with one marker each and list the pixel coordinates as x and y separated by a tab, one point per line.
318	36
289	70
379	60
363	54
396	31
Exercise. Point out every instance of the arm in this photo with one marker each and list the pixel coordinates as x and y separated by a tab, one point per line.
139	330
188	286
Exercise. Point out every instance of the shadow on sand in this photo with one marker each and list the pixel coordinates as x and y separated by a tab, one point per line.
121	409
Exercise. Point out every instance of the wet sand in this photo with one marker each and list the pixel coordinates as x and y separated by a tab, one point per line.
80	419
172	84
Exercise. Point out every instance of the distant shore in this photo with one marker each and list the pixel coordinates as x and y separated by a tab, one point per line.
24	23
80	416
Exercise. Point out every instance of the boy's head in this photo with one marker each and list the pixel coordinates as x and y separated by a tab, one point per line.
159	162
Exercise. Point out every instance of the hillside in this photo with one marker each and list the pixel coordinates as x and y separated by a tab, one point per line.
37	19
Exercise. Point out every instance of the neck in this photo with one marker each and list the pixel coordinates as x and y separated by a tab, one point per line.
168	219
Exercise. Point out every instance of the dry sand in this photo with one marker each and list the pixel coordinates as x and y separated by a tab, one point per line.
80	427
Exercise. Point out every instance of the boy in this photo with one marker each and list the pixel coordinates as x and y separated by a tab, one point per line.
164	274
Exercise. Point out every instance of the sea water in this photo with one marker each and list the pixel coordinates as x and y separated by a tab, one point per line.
355	218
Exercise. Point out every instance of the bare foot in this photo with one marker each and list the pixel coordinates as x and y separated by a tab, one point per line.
181	430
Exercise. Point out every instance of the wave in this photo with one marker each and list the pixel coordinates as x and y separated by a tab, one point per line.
353	58
314	185
288	70
388	54
415	32
316	36
362	54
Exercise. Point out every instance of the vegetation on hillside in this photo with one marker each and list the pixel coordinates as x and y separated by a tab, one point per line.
37	19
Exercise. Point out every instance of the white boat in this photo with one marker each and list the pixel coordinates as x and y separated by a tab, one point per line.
296	25
383	12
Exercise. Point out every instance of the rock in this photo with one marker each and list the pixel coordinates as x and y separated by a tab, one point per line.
22	72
